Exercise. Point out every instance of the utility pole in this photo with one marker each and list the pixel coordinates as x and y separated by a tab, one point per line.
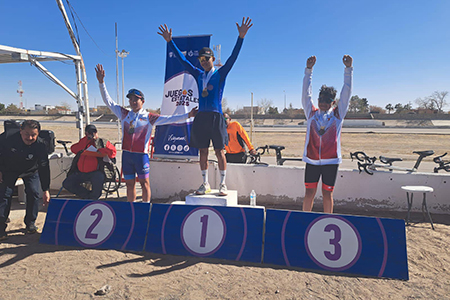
284	100
117	67
122	55
251	121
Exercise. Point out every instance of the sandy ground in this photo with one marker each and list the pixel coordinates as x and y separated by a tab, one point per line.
30	270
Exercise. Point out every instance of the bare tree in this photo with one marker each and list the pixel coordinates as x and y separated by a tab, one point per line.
265	104
66	105
225	105
438	99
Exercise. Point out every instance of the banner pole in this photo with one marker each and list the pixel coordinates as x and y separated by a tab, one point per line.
251	121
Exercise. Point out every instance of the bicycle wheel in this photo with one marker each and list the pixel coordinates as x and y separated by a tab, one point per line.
112	184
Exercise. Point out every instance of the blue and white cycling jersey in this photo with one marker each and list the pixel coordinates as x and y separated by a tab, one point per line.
213	101
137	127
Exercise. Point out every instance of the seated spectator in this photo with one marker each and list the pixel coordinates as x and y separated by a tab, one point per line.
236	139
86	175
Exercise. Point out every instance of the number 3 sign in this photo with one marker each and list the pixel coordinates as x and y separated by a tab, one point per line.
338	243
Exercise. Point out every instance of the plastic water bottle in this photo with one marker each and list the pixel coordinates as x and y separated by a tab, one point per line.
253	198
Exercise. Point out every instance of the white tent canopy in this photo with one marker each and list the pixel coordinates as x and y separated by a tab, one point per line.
17	55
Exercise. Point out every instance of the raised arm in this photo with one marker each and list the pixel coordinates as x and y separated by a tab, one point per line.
310	62
113	106
100	72
245	26
348	61
307	102
346	92
165	32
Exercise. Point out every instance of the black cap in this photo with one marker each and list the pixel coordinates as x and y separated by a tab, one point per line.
135	92
205	51
90	128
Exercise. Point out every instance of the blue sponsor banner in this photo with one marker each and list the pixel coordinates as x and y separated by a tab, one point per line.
96	224
338	243
180	96
233	233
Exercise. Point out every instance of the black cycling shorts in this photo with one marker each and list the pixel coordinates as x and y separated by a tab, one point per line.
209	126
327	172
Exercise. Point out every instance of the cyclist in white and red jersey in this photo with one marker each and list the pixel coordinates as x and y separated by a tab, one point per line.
137	125
322	152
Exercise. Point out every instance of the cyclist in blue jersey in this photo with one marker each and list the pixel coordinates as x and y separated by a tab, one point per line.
209	124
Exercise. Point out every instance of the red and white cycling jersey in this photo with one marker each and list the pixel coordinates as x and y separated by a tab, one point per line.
325	148
137	127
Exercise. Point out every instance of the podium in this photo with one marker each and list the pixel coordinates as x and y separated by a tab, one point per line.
212	198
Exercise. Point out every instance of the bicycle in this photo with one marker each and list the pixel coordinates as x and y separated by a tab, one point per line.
369	163
280	159
254	159
443	164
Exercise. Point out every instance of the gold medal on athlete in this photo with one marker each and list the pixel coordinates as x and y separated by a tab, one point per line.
322	130
131	129
205	93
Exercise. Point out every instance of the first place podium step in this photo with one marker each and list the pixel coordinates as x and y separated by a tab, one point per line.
213	198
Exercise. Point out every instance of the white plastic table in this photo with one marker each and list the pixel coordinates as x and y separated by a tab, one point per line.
418	189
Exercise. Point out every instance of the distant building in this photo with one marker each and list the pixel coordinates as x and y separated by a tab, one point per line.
103	109
256	110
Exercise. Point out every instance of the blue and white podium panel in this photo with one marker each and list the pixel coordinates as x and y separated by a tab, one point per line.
233	233
338	243
96	224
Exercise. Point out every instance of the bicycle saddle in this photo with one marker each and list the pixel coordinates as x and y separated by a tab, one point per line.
63	142
388	160
276	147
424	153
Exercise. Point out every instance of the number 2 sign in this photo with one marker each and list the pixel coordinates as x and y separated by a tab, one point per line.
94	224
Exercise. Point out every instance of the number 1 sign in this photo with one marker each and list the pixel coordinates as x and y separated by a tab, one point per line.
233	233
338	243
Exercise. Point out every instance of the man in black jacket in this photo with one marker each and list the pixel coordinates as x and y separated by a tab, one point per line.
23	155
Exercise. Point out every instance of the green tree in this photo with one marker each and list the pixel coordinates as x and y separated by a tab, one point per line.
358	105
398	108
273	110
12	109
2	108
389	107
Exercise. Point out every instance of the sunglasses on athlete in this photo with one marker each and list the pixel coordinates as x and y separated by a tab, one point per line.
203	58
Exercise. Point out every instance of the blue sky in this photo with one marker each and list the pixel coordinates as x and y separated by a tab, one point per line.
400	49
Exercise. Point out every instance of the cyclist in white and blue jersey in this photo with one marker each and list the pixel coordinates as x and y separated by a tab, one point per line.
137	126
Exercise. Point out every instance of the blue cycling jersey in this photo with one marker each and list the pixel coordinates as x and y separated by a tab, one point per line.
216	84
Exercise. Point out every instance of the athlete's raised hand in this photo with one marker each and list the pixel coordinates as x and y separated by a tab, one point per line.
245	26
310	62
165	32
193	112
100	73
347	60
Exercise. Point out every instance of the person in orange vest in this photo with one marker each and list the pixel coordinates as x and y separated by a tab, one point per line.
237	137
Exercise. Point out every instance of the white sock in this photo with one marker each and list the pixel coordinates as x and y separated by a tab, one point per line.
205	176
223	175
